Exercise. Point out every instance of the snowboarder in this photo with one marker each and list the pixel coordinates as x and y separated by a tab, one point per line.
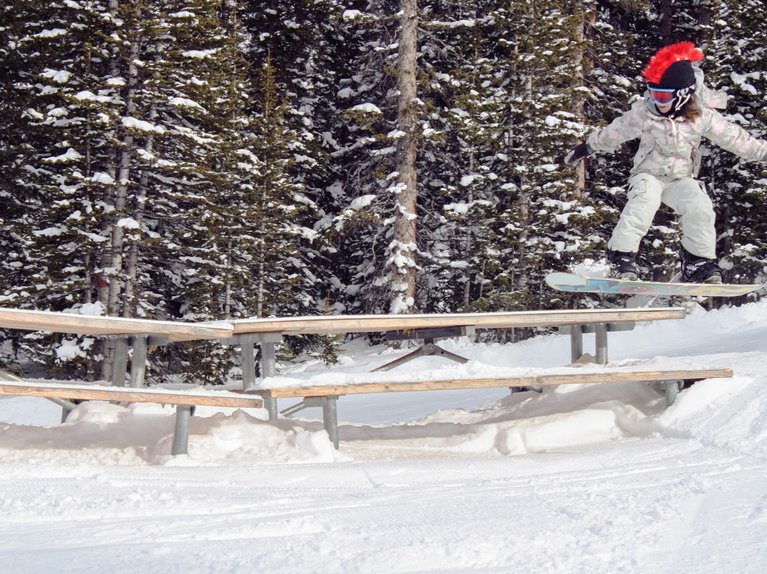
677	110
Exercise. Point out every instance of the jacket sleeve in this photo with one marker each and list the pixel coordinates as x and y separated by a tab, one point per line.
625	127
733	138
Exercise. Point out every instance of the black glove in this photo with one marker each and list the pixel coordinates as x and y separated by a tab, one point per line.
578	153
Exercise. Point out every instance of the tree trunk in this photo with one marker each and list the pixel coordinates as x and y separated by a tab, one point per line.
666	22
584	65
403	251
131	272
114	258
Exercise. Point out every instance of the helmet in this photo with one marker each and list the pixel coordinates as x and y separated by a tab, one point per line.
670	75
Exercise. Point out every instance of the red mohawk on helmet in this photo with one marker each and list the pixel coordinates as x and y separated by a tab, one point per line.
665	57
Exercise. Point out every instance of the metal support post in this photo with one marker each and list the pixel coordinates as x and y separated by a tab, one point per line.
672	390
181	434
600	338
247	342
138	361
248	358
268	368
330	419
576	343
329	413
429	348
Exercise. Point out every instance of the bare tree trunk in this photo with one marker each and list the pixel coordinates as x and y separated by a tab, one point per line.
404	247
666	22
469	236
584	65
114	258
131	271
101	276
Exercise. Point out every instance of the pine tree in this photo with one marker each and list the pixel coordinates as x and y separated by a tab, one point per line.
734	62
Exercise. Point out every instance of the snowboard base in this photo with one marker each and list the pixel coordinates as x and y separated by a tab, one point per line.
579	284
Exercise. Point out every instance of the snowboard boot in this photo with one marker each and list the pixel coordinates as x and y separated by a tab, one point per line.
623	265
697	269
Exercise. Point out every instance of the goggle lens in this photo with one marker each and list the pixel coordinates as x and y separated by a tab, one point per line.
662	97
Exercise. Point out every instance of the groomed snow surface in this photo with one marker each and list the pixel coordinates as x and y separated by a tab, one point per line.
599	478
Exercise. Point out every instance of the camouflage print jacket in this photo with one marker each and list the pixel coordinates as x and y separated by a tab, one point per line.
669	147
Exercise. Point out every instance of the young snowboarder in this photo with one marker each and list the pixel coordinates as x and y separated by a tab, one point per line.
672	118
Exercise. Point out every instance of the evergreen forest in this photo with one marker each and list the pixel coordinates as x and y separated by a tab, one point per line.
219	159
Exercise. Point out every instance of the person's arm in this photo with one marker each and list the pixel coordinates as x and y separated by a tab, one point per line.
625	127
733	138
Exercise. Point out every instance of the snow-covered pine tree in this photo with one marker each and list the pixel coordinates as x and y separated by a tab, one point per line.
458	155
293	52
193	118
366	137
733	39
543	221
278	281
71	106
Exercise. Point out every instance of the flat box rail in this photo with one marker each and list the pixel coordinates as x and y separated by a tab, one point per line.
326	396
491	382
53	321
339	324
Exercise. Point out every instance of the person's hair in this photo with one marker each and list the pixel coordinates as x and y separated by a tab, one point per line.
692	110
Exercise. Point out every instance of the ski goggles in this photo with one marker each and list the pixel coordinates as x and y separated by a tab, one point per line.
662	96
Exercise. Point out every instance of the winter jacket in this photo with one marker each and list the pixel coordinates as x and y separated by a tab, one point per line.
669	147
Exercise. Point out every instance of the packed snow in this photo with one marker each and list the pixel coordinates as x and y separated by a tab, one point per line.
589	478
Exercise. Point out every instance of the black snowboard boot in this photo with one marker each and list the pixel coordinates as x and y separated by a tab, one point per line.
697	269
623	265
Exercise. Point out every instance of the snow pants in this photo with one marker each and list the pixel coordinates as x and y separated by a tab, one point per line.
688	200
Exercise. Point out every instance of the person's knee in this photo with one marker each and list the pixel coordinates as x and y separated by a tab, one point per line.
645	191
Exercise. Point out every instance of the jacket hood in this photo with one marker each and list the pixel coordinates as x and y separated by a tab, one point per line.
706	96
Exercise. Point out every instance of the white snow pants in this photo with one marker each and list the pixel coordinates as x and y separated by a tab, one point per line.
688	200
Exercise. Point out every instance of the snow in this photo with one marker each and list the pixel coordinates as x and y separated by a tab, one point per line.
69	155
351	15
579	478
367	108
88	96
128	223
141	125
58	76
200	54
101	177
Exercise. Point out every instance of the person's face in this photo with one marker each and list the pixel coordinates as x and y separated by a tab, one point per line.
663	98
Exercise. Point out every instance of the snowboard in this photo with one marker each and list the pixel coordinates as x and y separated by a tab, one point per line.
579	284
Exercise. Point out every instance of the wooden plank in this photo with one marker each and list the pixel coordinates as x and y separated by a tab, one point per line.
381	323
128	395
98	325
523	381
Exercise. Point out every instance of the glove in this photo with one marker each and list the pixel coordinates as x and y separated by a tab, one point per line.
578	153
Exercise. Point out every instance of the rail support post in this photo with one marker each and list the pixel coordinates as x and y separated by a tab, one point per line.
181	434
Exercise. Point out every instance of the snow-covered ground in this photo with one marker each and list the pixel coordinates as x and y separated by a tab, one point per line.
600	478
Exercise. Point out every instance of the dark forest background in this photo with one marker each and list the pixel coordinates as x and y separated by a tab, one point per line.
205	160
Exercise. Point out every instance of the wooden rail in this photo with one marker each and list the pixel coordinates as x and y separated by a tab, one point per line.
183	400
129	395
98	325
608	376
338	324
326	396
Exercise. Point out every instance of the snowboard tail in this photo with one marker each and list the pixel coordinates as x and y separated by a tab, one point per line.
580	284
